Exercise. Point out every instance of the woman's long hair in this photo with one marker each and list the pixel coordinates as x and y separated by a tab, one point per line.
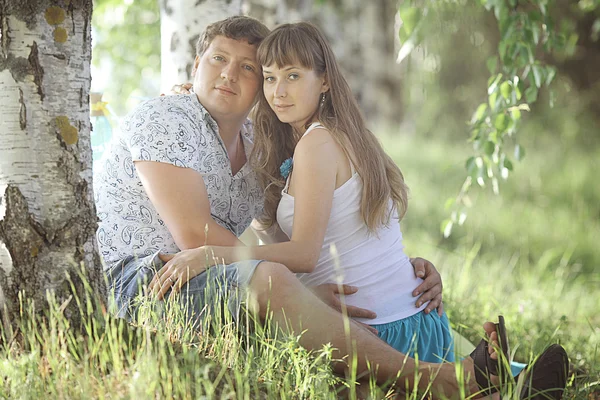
274	141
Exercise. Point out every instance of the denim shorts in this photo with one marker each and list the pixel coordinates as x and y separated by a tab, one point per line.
218	292
427	336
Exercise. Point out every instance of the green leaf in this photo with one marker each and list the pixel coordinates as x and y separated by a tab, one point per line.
449	203
471	165
411	16
550	74
501	122
494	137
492	87
492	100
537	75
505	89
489	148
508	164
531	94
519	152
502	47
479	113
402	35
515	113
571	44
535	31
446	228
518	92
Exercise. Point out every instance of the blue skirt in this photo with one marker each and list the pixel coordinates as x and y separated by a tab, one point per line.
424	336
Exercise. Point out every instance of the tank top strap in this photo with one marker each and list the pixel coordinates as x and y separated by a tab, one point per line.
313	126
287	184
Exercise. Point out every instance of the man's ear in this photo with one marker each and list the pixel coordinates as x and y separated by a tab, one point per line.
196	63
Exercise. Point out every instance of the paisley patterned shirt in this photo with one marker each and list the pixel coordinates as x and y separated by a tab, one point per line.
175	130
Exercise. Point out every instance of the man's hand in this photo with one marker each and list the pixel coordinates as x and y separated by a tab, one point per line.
431	288
327	293
184	88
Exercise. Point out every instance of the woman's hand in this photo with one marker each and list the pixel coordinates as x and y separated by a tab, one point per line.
431	288
178	270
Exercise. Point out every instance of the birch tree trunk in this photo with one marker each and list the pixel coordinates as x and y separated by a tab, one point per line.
47	214
181	23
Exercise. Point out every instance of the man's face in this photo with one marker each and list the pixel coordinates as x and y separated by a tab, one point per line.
227	78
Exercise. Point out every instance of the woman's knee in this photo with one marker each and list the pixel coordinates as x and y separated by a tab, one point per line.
271	284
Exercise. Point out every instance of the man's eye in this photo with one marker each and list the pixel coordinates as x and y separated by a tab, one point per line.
249	68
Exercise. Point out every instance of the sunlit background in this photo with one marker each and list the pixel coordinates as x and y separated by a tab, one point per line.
530	252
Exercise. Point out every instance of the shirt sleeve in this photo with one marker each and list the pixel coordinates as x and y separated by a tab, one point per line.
161	130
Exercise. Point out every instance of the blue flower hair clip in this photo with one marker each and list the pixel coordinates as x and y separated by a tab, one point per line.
286	167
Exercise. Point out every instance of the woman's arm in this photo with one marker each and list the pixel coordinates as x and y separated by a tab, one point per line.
270	235
316	161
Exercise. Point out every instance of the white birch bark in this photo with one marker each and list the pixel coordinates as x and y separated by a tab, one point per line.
181	23
47	215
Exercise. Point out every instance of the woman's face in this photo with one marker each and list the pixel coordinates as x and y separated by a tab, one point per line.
293	92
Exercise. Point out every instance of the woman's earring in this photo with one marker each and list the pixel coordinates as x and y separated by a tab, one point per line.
322	99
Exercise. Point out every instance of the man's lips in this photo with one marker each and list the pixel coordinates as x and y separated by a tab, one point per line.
225	90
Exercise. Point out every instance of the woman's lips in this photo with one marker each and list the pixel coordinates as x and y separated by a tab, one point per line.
282	107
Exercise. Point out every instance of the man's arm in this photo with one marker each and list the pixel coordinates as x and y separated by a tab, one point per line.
430	290
180	197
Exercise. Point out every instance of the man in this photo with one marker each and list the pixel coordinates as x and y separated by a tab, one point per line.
177	178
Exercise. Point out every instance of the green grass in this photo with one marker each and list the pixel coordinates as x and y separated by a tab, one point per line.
529	255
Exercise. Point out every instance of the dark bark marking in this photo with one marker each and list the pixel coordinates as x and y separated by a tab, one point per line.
23	243
174	41
18	66
36	69
198	2
22	111
191	50
4	30
70	11
87	17
168	10
26	11
59	56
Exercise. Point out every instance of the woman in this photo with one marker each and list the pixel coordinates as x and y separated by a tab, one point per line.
339	209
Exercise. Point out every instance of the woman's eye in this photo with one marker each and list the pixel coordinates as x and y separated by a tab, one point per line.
269	79
218	58
293	77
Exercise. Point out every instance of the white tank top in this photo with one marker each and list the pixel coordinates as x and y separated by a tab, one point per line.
373	262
